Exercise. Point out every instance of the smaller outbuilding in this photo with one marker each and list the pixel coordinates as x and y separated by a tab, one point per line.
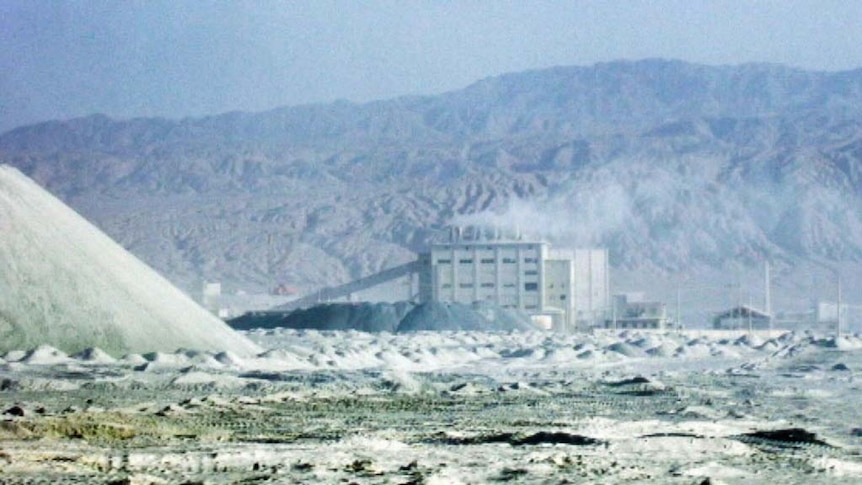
630	311
742	317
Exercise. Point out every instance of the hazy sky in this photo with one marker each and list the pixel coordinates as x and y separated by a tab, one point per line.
194	57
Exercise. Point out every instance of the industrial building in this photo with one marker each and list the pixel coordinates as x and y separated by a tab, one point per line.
560	290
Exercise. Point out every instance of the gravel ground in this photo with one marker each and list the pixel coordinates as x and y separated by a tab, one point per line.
491	408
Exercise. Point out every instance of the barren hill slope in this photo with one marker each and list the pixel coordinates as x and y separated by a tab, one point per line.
677	168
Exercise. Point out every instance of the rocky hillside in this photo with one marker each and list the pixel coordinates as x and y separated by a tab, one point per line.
679	169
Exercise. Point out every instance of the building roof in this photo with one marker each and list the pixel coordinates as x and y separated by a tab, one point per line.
742	311
489	242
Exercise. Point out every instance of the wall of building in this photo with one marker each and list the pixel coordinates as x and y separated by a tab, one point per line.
592	286
567	288
559	292
508	274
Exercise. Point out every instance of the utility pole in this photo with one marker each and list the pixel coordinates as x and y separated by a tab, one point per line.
750	327
767	295
767	289
838	306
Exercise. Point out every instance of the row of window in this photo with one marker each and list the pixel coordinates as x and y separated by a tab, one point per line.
489	248
527	286
489	261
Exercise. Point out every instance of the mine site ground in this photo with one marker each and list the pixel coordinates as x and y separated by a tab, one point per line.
458	407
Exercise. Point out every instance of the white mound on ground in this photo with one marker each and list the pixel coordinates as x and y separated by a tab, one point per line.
66	284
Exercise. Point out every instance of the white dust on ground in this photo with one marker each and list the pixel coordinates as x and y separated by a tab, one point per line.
666	407
66	284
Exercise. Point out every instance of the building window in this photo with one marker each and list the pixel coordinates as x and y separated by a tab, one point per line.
487	285
509	261
466	261
531	272
531	260
487	260
446	285
444	261
531	287
508	285
530	307
562	297
465	285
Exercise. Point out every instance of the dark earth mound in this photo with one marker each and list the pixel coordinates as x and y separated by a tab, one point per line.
519	439
481	316
397	317
793	437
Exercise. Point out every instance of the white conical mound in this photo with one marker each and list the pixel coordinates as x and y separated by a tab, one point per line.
66	284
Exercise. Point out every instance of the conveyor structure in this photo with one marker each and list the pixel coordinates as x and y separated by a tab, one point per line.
331	293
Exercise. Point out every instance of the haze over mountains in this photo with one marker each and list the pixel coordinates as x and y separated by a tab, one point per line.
679	169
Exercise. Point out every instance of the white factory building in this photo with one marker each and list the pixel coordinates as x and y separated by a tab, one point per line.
561	290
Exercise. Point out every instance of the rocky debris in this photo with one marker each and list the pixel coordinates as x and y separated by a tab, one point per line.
94	355
45	355
16	411
139	479
638	380
522	439
638	386
793	437
492	408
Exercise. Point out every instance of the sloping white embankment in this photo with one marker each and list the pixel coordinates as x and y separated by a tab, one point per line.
65	283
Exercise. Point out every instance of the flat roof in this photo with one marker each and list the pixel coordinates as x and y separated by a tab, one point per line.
488	242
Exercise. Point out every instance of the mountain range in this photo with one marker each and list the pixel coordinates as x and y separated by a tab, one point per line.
683	171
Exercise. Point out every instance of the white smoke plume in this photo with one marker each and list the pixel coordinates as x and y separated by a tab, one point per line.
583	214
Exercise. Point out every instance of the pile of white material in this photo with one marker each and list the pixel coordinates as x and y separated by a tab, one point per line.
66	284
403	358
491	353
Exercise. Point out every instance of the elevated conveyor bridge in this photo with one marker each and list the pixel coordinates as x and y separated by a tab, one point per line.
347	289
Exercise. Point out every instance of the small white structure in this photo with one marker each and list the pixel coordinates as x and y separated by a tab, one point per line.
632	311
563	290
211	294
212	300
